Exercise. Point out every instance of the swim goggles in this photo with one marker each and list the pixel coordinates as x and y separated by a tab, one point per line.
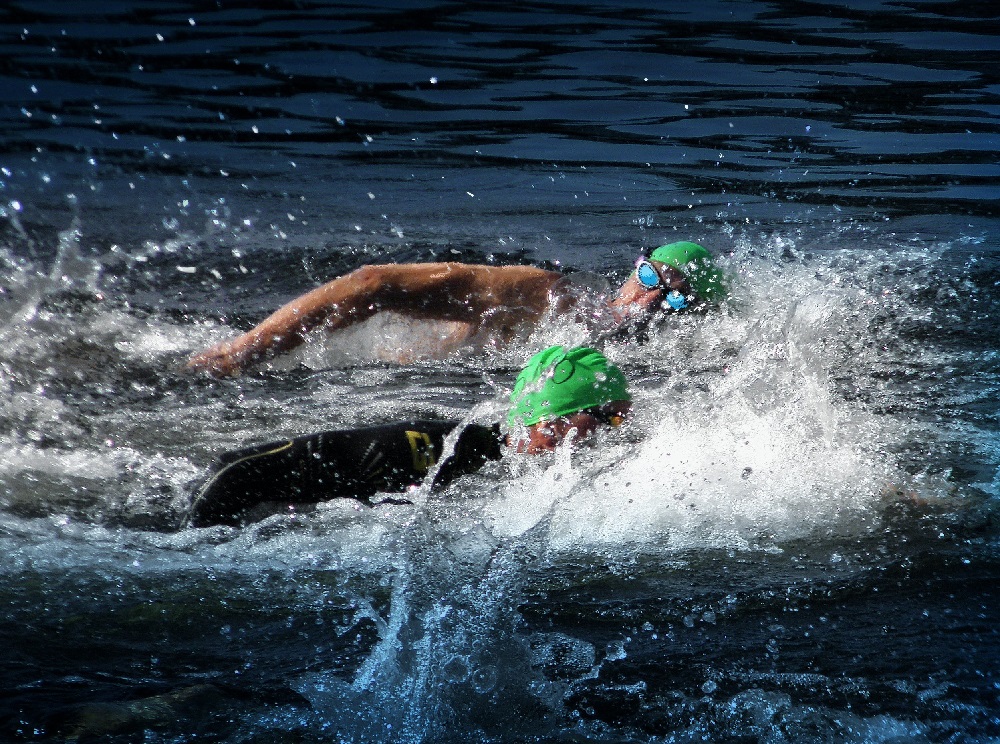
605	415
651	278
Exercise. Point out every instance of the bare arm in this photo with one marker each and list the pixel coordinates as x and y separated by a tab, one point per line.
438	291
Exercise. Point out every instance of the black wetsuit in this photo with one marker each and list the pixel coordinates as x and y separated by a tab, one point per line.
353	463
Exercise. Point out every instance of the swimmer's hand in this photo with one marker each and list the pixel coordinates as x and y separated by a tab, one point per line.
226	359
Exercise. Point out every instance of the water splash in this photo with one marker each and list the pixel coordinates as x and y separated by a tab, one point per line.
742	441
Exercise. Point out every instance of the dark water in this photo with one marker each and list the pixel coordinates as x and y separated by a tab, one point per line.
797	541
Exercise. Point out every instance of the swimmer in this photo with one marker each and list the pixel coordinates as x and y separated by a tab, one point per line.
560	395
497	302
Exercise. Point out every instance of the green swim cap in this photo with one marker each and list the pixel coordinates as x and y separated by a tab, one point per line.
557	382
698	268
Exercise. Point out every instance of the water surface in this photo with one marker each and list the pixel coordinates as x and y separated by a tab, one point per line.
796	539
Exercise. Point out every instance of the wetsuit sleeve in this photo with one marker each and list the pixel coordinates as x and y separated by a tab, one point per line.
476	445
355	463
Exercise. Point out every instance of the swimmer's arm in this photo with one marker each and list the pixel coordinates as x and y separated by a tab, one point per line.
287	327
441	291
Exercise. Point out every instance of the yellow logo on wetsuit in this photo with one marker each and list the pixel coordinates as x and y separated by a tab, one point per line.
422	449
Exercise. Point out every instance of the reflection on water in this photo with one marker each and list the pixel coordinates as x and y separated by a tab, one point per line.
795	539
879	107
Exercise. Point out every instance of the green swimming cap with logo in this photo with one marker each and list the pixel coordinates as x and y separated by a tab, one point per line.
558	382
697	266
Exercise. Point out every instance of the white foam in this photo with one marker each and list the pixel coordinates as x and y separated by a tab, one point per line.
742	441
704	477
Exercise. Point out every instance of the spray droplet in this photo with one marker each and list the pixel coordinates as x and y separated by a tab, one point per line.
484	679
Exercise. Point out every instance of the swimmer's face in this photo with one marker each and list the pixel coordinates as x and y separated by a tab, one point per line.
637	294
545	436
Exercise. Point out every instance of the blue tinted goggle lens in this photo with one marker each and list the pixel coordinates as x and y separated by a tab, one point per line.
647	275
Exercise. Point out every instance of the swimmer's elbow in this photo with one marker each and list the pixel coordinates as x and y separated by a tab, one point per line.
368	278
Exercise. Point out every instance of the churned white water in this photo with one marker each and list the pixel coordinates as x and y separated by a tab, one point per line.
739	438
